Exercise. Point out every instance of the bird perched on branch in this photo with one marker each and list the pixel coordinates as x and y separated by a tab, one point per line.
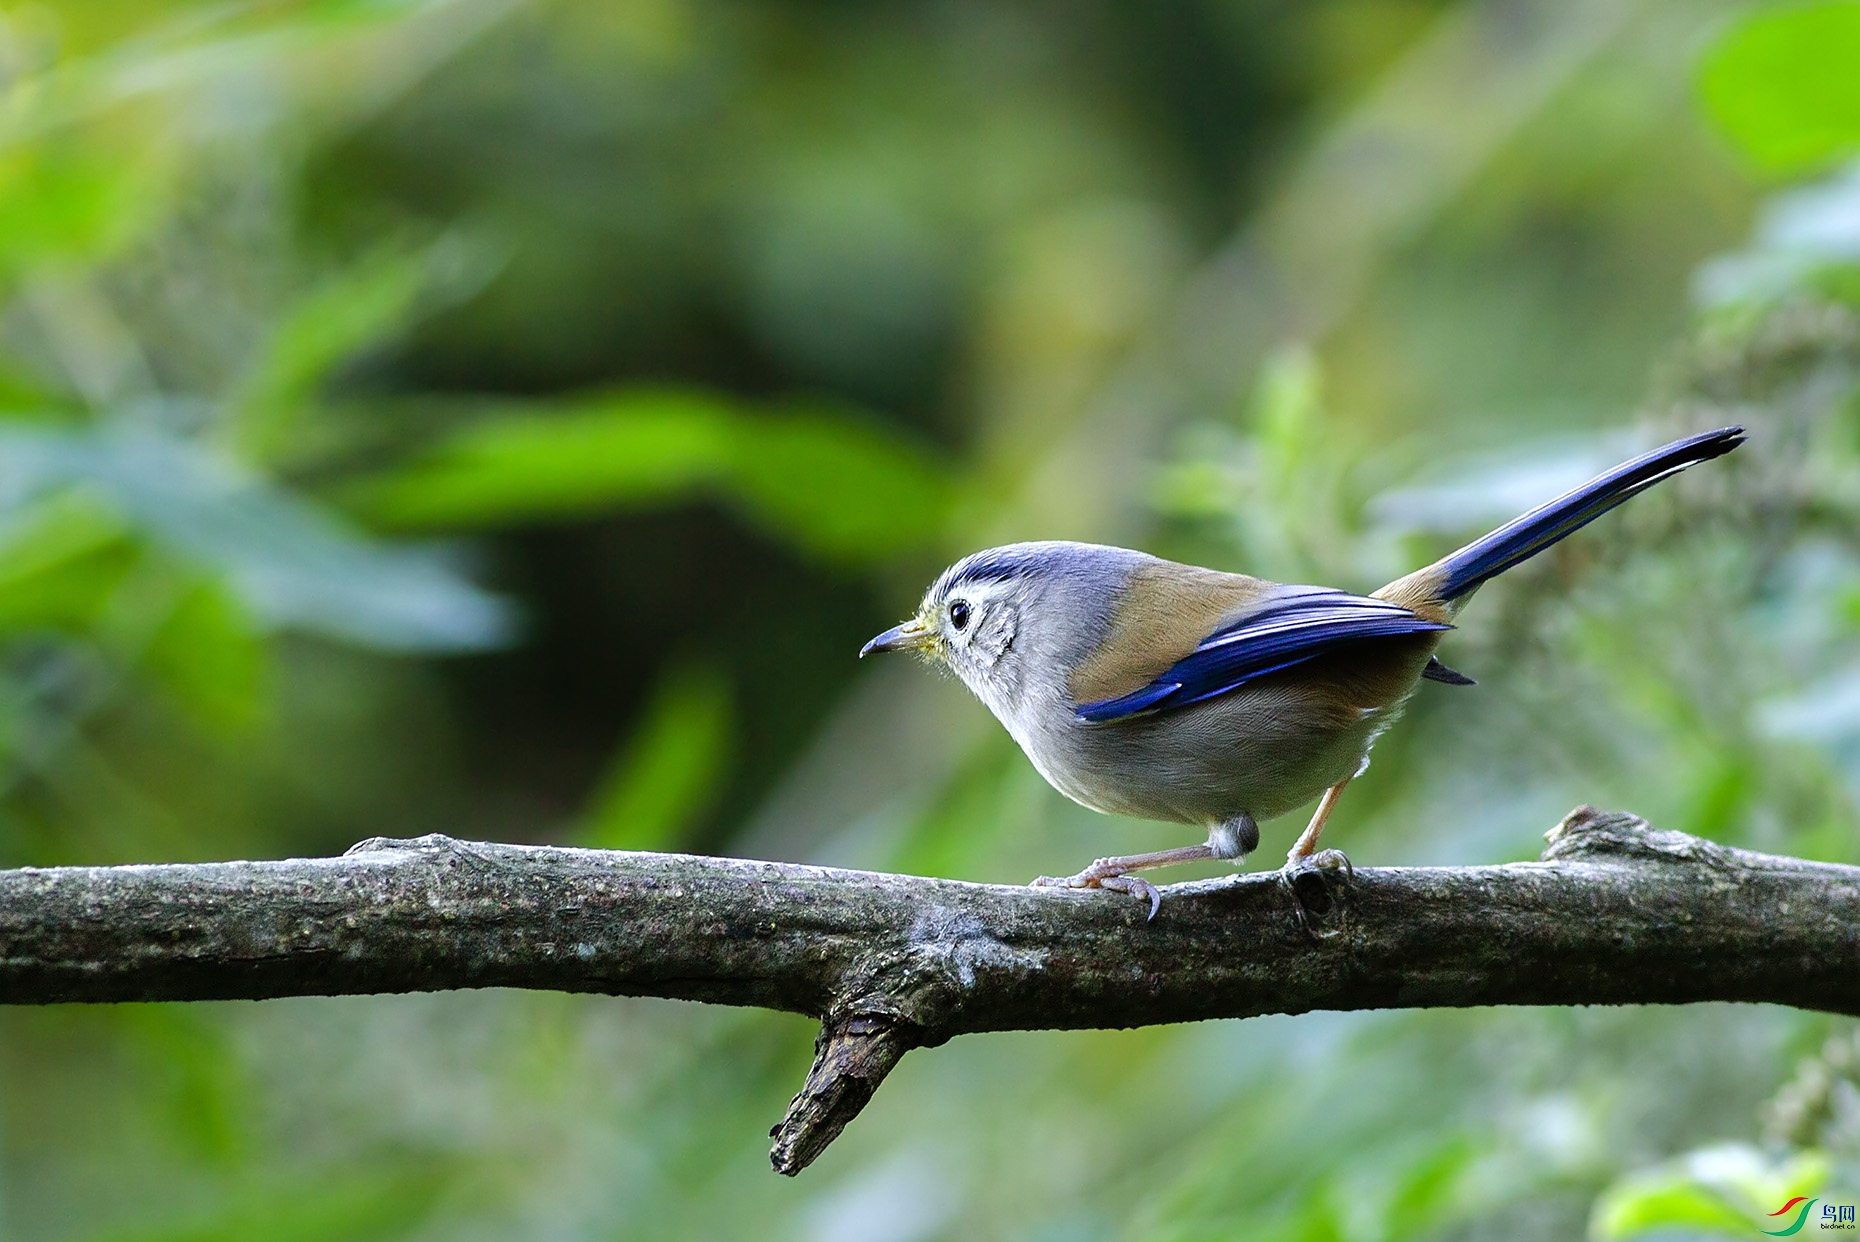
1138	686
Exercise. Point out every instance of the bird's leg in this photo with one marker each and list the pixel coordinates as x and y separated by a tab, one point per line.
1304	852
1109	868
1114	873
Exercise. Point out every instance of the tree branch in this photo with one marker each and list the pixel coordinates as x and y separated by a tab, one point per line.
1615	913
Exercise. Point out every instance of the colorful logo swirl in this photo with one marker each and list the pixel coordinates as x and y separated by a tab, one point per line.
1801	1217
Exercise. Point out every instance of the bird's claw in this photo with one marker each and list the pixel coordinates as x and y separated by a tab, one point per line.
1111	881
1310	878
1323	860
1137	887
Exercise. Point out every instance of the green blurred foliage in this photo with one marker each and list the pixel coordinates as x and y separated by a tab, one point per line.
507	418
668	772
349	312
1722	1192
1781	85
831	485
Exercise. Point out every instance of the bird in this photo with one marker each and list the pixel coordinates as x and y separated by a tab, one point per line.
1143	687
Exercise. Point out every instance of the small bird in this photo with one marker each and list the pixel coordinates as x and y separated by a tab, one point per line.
1143	687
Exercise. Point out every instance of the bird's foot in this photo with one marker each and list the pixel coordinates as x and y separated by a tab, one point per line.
1102	874
1319	860
1313	881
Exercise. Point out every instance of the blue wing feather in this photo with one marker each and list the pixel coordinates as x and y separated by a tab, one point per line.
1297	624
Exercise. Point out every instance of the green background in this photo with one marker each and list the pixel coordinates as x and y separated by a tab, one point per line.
507	418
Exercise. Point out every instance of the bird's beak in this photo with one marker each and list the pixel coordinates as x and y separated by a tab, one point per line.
911	636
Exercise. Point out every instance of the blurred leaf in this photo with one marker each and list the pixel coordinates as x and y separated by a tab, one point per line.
1206	480
1784	87
60	562
209	656
289	562
831	484
1807	238
1429	1190
65	202
350	312
1319	1222
839	486
582	457
1288	401
347	313
1670	1202
26	398
668	772
1725	1189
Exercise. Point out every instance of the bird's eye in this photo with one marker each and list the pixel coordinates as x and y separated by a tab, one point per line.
959	614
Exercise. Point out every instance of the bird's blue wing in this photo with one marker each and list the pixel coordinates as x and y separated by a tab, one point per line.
1294	625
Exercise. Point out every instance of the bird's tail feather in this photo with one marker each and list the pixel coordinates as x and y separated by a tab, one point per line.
1462	573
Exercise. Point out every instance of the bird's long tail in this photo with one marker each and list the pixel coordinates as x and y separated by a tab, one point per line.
1450	580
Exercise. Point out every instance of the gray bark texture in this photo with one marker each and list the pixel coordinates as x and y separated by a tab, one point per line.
1615	913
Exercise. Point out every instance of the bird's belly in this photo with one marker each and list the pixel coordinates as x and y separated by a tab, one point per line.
1260	750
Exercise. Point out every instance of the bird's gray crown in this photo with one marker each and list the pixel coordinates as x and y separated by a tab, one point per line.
1021	560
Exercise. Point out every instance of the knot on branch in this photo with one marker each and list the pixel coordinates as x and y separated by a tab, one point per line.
1588	833
403	845
927	979
452	851
1321	899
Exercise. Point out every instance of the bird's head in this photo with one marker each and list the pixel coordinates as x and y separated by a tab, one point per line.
1014	617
